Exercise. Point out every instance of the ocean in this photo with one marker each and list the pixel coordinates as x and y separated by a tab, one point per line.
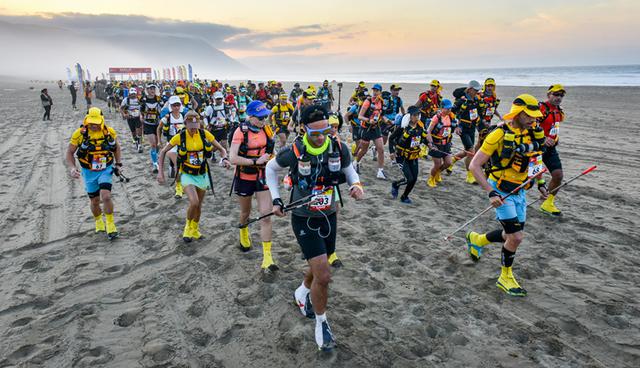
614	75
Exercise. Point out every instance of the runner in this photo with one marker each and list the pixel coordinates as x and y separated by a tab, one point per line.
130	110
369	116
296	92
316	164
281	117
429	101
514	151
552	116
150	107
87	94
491	102
195	145
109	92
307	99
171	124
404	147
251	147
358	96
392	106
439	137
467	107
96	146
46	102
217	119
325	95
74	94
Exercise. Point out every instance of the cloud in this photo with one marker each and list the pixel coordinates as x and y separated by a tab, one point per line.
111	24
272	41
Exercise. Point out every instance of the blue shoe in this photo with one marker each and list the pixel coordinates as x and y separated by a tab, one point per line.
324	337
406	200
394	191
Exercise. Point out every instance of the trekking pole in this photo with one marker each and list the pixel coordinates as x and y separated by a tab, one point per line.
121	176
448	237
291	206
213	192
585	172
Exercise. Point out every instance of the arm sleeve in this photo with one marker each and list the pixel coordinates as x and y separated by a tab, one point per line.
394	138
351	175
271	176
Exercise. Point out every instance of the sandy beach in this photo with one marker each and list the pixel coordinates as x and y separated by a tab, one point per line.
405	298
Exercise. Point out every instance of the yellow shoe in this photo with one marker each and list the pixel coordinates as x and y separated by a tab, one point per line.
112	232
267	260
187	236
475	245
507	283
438	177
195	230
334	260
549	207
353	148
179	191
245	239
450	168
470	178
432	182
99	224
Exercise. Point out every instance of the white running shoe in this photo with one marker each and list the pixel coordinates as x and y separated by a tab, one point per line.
303	301
381	174
324	336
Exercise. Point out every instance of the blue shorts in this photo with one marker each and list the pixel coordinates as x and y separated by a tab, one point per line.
199	181
514	207
94	179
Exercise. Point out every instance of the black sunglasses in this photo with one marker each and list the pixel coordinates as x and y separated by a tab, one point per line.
520	102
558	94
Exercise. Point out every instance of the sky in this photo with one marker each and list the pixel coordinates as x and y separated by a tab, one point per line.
334	35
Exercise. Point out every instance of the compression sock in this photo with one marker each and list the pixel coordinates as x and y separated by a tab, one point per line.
99	223
154	155
267	260
507	257
245	240
494	236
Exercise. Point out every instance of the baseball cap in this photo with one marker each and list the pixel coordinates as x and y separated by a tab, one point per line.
447	104
217	95
174	100
395	86
474	84
556	88
377	86
526	103
257	109
94	116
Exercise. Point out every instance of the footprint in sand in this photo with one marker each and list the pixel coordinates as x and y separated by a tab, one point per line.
21	322
113	269
126	319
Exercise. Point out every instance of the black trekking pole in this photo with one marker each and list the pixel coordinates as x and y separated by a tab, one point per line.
120	175
291	206
209	175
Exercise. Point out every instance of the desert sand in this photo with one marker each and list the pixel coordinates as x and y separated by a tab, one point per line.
405	298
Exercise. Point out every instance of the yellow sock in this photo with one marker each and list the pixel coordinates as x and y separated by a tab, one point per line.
551	198
266	247
97	218
482	240
506	272
267	261
109	217
245	240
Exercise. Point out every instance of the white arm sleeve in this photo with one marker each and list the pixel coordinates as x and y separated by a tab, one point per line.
351	174
271	174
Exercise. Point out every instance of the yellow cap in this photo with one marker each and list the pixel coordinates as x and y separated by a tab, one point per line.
556	88
94	116
362	84
179	90
333	120
435	82
283	96
489	81
526	103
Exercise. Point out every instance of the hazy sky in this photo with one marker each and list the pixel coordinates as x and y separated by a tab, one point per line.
370	35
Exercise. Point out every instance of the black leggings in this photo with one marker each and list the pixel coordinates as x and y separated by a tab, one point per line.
47	113
410	172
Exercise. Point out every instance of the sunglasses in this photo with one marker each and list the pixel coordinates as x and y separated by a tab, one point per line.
317	132
558	94
176	105
263	118
520	102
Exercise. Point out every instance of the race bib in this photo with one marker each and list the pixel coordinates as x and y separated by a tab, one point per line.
415	142
321	202
195	158
473	114
135	113
555	129
99	163
242	108
285	116
535	165
490	111
446	132
220	122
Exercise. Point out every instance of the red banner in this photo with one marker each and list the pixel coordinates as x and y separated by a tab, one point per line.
130	70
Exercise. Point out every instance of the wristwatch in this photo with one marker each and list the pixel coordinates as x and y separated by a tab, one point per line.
119	164
255	161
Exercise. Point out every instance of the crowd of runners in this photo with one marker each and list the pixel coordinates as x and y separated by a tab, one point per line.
300	142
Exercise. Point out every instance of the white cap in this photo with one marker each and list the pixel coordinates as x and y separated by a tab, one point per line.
174	100
133	90
218	94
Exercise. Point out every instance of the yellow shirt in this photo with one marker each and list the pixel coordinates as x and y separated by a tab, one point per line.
493	143
194	142
282	114
76	137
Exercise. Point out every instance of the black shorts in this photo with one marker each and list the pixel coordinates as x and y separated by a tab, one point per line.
371	134
134	123
356	133
220	135
149	129
246	188
440	151
283	129
551	159
385	129
316	235
468	137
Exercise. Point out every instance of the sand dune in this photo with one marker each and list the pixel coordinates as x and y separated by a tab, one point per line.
405	298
